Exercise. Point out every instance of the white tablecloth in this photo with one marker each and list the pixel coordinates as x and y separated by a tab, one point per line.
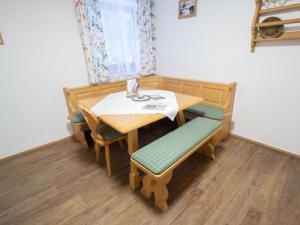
117	103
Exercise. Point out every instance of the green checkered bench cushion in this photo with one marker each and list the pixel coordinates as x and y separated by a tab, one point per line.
77	118
165	151
207	111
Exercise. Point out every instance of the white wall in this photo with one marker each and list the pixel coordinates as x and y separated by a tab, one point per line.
215	46
42	53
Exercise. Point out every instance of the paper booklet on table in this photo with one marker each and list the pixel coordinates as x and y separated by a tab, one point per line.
160	107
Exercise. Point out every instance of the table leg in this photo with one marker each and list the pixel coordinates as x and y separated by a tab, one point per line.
180	118
133	141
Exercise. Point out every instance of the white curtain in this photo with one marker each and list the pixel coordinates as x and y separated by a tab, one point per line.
120	31
118	38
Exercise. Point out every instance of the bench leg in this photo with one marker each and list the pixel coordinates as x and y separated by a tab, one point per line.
159	188
161	193
147	188
209	151
134	177
80	136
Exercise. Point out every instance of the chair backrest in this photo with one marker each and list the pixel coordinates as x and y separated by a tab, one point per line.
91	120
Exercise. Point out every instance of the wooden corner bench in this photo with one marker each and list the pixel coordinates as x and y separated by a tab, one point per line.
159	158
220	95
218	101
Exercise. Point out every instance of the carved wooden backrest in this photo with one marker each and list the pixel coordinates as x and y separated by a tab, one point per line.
91	120
217	94
73	95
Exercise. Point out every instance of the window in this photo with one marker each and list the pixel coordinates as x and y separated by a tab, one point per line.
118	38
119	21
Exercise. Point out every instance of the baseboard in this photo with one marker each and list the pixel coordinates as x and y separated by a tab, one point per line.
266	146
32	150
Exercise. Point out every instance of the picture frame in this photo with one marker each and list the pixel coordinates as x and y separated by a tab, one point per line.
187	8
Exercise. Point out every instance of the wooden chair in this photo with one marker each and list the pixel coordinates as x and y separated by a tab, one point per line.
103	135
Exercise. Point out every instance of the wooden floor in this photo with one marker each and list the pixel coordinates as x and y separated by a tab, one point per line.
62	184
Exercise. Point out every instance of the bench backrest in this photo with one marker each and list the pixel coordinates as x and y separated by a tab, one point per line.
217	94
73	95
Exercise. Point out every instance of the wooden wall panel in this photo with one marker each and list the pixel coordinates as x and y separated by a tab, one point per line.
87	94
73	95
151	85
106	90
189	89
213	95
172	86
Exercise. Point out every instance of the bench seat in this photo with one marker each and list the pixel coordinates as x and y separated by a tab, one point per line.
165	151
159	158
77	118
207	111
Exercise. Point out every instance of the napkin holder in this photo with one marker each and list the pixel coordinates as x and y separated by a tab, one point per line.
132	88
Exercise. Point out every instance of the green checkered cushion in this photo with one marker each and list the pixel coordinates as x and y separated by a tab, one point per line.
77	118
207	111
165	151
108	133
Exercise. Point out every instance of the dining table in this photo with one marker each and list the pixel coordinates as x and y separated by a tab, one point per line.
130	123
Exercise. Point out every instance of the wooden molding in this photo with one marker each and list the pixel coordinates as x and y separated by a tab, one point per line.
285	36
32	150
1	40
280	9
266	146
276	23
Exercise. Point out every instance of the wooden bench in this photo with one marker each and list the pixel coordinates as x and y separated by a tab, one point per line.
158	159
215	94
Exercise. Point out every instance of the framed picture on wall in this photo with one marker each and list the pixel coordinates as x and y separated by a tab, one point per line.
187	8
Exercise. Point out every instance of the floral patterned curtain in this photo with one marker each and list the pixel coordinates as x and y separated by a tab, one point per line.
91	33
94	44
147	37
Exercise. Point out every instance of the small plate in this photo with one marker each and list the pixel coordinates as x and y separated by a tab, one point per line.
273	31
141	98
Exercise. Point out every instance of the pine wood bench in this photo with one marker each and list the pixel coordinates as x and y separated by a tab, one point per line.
220	95
159	158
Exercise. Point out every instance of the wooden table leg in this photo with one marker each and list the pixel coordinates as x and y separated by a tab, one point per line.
180	118
133	141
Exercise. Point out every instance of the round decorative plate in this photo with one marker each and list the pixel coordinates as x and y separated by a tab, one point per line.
273	31
141	98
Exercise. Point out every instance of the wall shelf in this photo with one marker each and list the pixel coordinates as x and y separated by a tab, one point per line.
282	22
280	9
256	24
284	36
